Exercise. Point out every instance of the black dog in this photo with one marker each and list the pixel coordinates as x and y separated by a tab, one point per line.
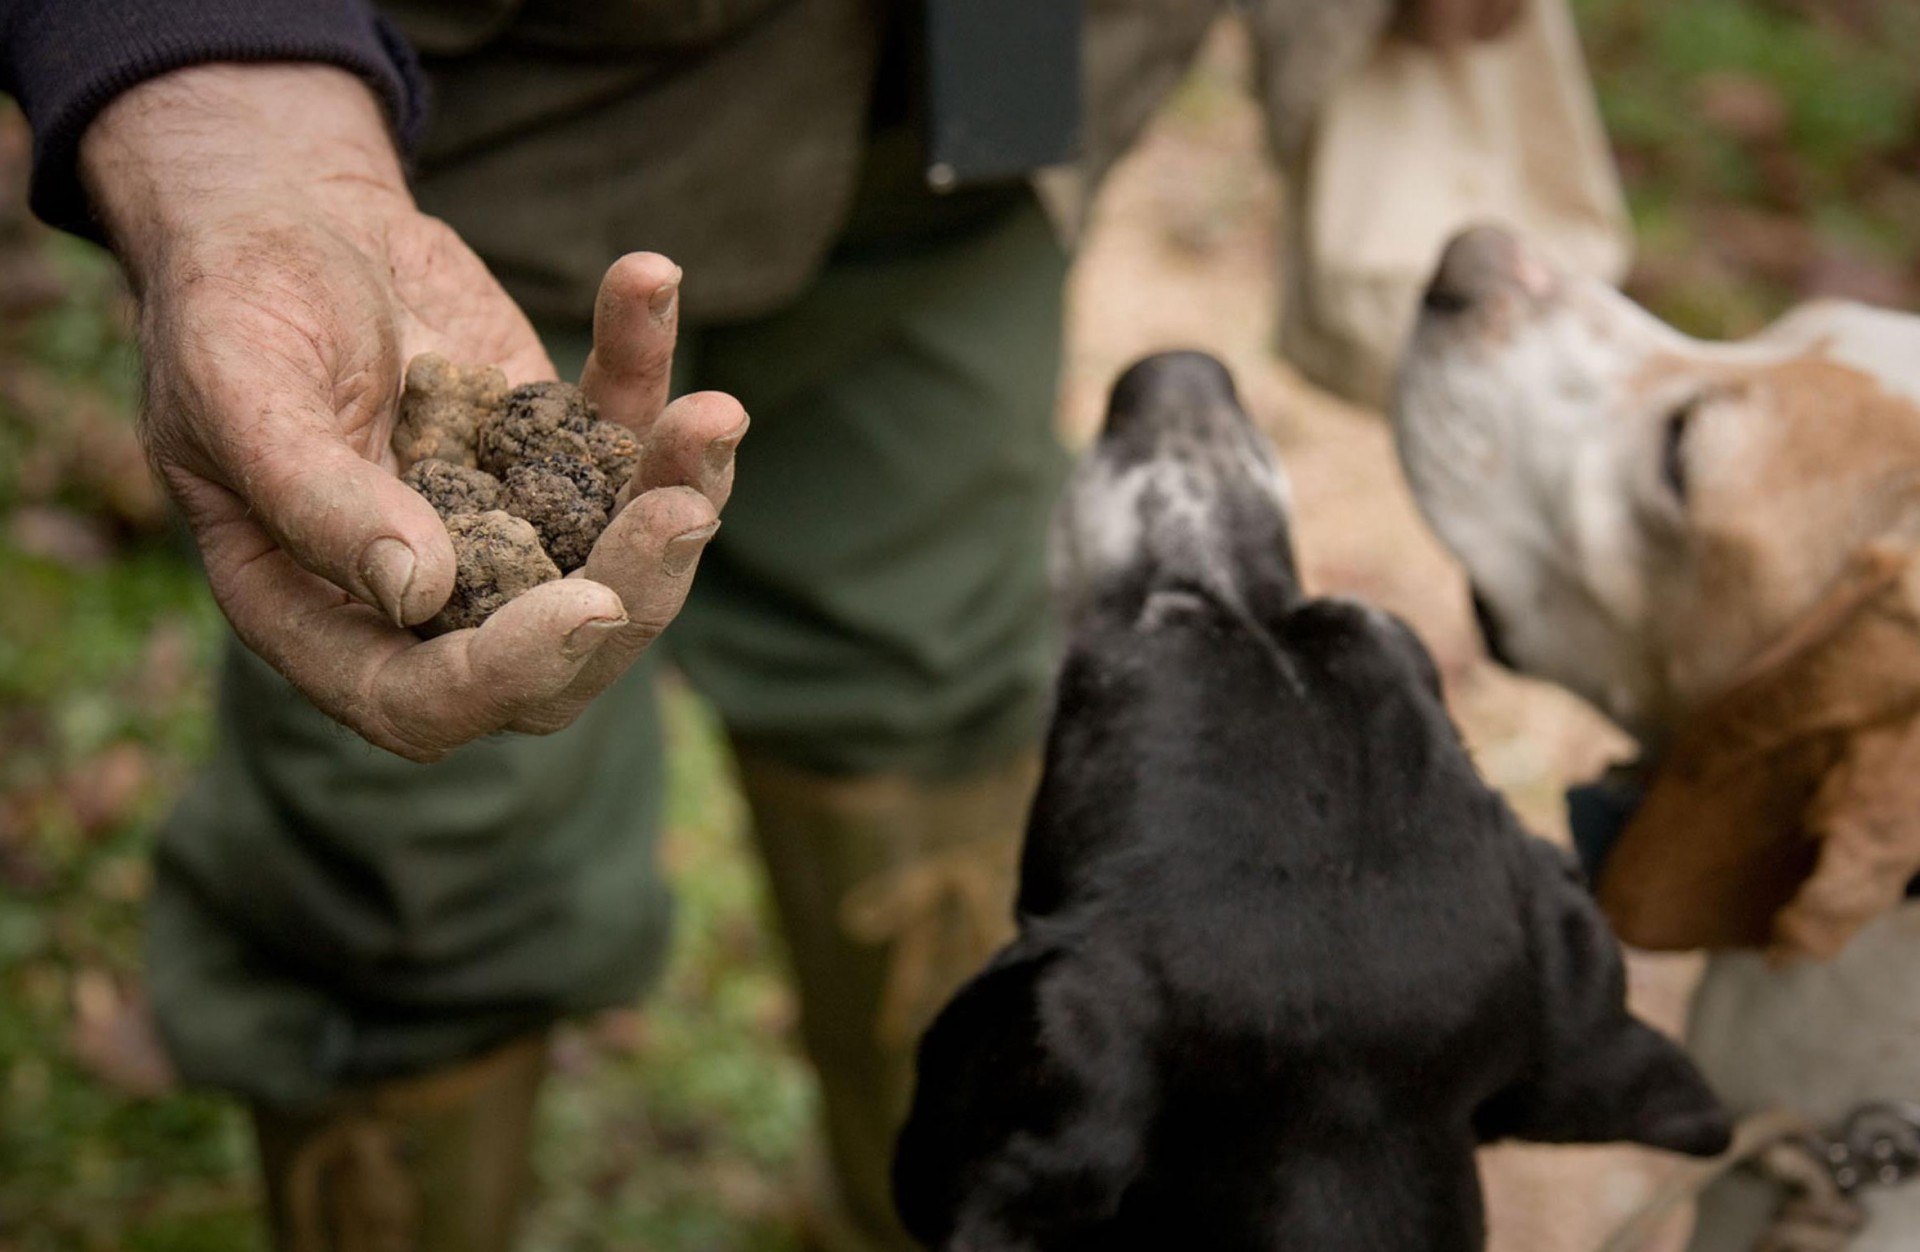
1284	959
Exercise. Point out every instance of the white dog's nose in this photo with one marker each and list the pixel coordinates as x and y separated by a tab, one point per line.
1480	261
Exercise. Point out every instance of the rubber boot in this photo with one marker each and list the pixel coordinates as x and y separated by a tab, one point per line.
436	1162
891	892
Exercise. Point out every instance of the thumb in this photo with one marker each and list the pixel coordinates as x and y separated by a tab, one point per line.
336	513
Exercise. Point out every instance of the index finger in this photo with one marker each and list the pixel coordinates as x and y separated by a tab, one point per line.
636	321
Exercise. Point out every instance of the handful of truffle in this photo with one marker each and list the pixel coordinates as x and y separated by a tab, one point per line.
526	478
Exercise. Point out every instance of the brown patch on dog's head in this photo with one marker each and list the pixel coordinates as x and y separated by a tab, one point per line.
1791	469
1786	813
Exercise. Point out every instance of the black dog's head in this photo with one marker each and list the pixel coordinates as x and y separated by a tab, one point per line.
1284	959
1198	674
1181	495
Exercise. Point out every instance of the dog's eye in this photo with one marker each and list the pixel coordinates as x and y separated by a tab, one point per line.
1673	447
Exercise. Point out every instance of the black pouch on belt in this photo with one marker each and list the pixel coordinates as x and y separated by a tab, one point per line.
1003	88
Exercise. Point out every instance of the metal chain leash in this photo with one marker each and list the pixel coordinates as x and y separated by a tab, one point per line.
1877	1146
1821	1173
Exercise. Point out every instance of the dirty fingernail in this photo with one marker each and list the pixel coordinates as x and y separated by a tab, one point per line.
386	566
661	302
718	456
683	550
585	637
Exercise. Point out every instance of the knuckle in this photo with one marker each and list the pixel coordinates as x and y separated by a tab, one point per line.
419	755
545	721
385	732
406	722
641	632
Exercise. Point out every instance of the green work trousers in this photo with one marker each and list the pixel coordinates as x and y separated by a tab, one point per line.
326	914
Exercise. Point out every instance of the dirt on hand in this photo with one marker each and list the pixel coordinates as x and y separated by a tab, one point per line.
526	478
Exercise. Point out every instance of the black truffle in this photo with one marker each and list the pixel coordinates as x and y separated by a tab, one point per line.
499	556
452	489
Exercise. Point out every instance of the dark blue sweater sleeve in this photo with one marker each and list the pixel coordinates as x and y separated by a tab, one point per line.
63	60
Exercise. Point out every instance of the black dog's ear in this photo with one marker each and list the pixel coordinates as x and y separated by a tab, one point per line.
1030	1113
1596	1074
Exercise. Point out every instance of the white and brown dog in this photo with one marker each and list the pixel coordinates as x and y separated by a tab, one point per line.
1715	544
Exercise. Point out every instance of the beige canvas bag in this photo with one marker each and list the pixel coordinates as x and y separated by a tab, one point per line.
1418	144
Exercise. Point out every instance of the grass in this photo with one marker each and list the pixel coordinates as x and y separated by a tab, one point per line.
1771	149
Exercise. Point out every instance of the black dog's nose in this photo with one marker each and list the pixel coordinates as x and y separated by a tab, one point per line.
1479	260
1170	380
